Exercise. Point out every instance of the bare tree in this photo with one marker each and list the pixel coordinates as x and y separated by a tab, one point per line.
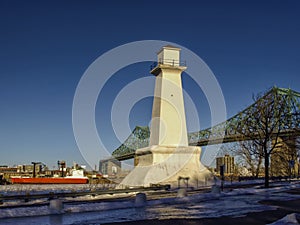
271	116
252	155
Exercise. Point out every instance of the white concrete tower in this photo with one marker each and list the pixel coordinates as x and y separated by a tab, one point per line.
168	159
168	125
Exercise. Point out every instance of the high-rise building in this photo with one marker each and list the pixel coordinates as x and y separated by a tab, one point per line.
228	162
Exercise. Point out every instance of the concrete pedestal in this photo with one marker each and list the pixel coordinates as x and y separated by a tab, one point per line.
177	166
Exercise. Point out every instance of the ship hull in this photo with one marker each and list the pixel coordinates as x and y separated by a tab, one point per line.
48	180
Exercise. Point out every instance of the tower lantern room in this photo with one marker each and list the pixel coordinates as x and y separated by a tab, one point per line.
169	55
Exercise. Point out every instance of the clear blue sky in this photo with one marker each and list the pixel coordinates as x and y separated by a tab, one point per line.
46	46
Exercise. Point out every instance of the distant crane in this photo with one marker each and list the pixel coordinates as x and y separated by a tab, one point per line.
61	166
34	167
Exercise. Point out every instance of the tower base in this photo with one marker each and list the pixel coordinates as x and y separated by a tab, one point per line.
175	166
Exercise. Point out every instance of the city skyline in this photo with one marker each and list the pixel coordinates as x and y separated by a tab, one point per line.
46	48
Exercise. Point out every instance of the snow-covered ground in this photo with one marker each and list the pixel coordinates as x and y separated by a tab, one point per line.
237	202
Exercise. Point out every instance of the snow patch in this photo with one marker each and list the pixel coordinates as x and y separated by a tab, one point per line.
289	219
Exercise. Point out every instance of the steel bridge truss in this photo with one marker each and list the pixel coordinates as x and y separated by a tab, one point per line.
226	131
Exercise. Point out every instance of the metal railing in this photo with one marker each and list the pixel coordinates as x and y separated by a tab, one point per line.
170	62
54	195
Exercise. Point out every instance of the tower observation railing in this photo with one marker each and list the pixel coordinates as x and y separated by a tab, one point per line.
169	62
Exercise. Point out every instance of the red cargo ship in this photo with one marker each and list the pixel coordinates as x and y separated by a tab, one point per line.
77	177
49	180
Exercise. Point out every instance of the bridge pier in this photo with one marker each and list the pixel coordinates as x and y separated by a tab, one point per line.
284	158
